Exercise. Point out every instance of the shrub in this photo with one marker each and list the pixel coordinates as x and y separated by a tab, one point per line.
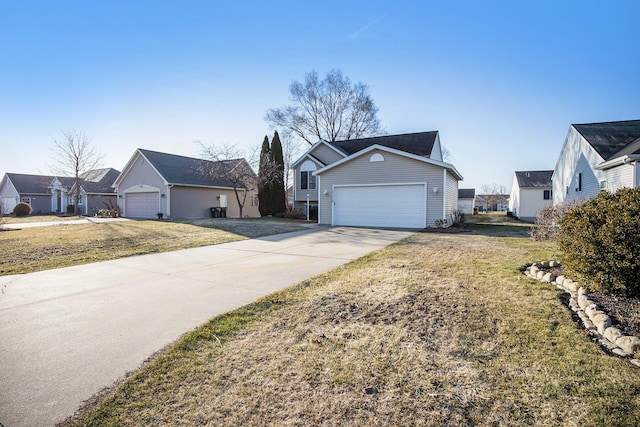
547	219
22	209
456	218
600	242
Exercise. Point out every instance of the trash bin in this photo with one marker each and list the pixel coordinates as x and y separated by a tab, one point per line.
223	212
215	212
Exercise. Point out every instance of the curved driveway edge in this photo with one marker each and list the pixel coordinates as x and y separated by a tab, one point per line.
65	334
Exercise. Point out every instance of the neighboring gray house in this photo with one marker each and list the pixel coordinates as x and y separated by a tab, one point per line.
52	194
530	192
32	189
181	187
492	202
466	200
388	181
595	157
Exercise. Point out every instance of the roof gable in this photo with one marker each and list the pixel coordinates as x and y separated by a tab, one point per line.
534	179
30	184
181	170
99	181
420	143
609	138
466	193
360	153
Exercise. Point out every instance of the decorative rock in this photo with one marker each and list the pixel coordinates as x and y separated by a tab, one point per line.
548	278
619	352
583	301
554	264
560	280
602	322
628	343
582	291
545	264
612	333
534	270
606	343
635	362
540	275
570	285
573	304
591	310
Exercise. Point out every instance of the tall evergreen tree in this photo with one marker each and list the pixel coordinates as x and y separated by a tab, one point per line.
278	192
264	180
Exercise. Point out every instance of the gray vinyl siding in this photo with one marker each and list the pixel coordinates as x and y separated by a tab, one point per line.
194	202
95	202
619	177
325	154
141	172
395	169
40	203
299	194
452	194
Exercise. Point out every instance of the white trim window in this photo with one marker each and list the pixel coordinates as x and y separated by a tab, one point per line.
307	178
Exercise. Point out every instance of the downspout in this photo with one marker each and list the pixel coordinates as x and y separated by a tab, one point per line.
169	187
444	194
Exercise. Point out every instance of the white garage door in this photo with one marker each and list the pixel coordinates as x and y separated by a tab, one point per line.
8	203
141	205
401	206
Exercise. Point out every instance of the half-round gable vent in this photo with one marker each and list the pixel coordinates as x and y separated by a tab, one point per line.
376	157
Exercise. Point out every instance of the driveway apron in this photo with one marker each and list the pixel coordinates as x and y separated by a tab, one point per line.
66	334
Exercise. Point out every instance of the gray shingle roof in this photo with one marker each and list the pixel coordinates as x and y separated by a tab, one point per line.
420	143
466	193
608	138
31	184
183	170
534	179
99	181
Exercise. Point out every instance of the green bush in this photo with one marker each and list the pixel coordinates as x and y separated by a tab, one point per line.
600	242
22	209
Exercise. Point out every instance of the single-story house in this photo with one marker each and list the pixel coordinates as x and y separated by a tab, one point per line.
52	194
181	187
596	157
387	181
466	200
530	192
492	202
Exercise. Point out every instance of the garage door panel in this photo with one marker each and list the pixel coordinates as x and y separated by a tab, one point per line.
380	206
142	205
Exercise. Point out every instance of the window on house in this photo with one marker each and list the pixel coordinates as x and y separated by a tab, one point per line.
547	195
603	185
579	182
307	179
26	200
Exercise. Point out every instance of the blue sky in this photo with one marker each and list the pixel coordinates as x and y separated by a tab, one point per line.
501	80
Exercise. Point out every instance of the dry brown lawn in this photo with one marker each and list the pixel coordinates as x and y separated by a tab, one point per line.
44	248
439	329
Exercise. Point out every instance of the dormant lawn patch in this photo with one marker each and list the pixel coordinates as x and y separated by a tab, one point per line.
439	329
43	248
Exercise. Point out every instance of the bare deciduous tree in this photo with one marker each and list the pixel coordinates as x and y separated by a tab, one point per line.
76	156
227	161
493	194
330	109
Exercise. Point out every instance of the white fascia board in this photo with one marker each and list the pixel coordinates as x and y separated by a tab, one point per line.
311	149
392	151
618	161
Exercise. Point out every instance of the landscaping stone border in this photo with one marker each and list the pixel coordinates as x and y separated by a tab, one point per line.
595	321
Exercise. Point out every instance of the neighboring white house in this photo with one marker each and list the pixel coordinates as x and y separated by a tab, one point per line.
387	181
530	192
595	157
154	183
466	200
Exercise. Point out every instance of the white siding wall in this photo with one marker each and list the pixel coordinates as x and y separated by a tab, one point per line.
452	195
514	197
531	202
577	156
619	177
466	206
395	169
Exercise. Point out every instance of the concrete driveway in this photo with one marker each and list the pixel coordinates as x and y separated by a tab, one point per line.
65	334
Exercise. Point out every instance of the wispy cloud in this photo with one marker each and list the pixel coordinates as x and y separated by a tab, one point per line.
359	33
